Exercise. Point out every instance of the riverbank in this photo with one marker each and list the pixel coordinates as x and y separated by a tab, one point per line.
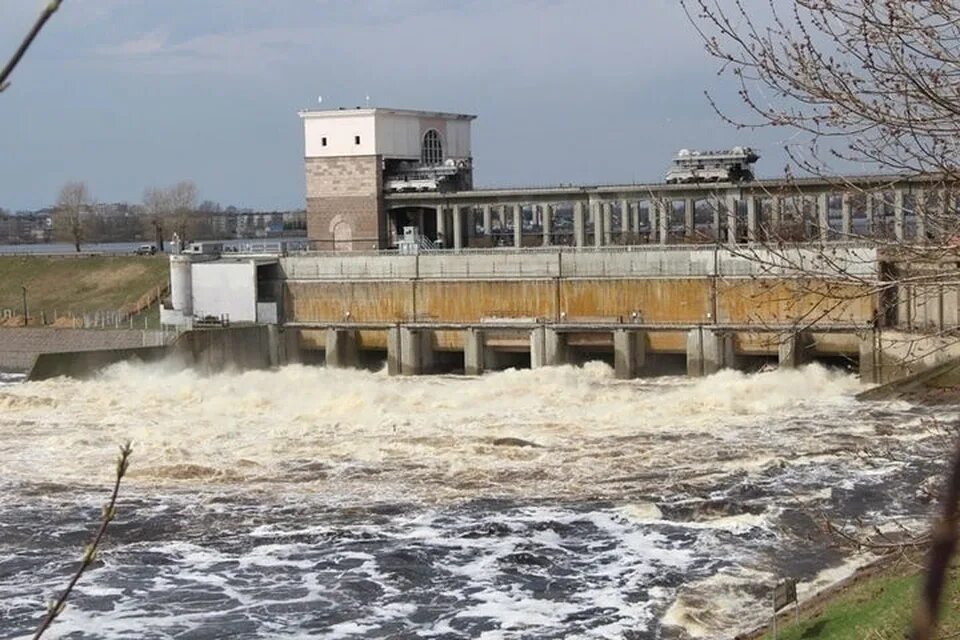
62	287
876	602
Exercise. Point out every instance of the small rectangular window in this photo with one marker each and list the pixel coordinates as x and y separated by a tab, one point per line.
356	139
323	142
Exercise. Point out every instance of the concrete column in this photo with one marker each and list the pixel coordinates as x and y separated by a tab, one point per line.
708	351
341	348
442	227
776	213
548	348
950	311
898	214
393	351
538	348
717	205
487	220
607	208
846	220
664	208
732	204
920	211
416	351
285	345
457	227
598	233
629	353
579	226
870	359
794	350
625	218
689	217
547	223
518	225
751	219
473	364
823	216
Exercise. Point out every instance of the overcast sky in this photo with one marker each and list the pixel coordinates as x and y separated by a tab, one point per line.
127	94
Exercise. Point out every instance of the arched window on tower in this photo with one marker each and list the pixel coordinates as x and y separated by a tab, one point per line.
432	148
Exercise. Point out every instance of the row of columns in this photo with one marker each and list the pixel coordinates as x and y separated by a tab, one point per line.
725	225
410	350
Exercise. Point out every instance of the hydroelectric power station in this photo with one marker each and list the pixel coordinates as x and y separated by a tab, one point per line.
406	262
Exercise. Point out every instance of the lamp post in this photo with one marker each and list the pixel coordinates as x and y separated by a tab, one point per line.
25	312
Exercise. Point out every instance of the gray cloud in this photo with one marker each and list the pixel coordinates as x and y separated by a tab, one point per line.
129	93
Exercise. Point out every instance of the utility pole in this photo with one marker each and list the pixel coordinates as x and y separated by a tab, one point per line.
25	312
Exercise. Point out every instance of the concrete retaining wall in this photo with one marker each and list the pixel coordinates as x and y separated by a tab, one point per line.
891	355
83	364
19	347
237	348
626	262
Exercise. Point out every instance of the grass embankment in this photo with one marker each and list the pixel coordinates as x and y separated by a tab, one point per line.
58	287
878	606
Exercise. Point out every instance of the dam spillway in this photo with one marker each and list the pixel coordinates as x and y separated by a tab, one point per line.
706	305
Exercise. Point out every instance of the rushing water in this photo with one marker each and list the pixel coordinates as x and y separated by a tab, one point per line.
543	503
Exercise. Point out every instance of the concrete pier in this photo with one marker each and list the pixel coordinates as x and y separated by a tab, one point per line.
341	348
416	351
409	351
538	348
870	358
708	351
473	364
629	353
794	350
548	348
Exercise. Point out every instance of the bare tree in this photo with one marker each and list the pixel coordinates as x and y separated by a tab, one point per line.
183	204
155	207
855	83
864	82
875	82
73	204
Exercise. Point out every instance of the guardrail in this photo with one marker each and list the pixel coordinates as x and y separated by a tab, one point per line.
576	327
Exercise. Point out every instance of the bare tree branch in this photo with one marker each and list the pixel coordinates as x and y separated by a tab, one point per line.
90	552
45	15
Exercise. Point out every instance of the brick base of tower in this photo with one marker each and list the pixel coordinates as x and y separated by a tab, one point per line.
345	210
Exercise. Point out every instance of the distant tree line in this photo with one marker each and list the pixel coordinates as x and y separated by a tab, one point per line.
77	218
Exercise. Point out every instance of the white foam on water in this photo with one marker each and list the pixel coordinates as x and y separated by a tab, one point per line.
567	435
432	438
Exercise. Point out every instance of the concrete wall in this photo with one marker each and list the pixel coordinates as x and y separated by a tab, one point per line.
340	129
225	287
629	262
889	355
83	364
19	347
213	350
676	285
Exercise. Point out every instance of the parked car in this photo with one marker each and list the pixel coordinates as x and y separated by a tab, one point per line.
146	250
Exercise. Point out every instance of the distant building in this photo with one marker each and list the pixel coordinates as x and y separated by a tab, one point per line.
353	156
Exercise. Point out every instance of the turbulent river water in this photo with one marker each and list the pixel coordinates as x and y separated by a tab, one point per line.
549	503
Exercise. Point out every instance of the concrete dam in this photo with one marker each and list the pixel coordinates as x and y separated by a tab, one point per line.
645	310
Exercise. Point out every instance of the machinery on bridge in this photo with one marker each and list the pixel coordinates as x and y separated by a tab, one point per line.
734	165
406	176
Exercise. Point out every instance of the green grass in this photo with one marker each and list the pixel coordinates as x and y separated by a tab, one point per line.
78	285
879	608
